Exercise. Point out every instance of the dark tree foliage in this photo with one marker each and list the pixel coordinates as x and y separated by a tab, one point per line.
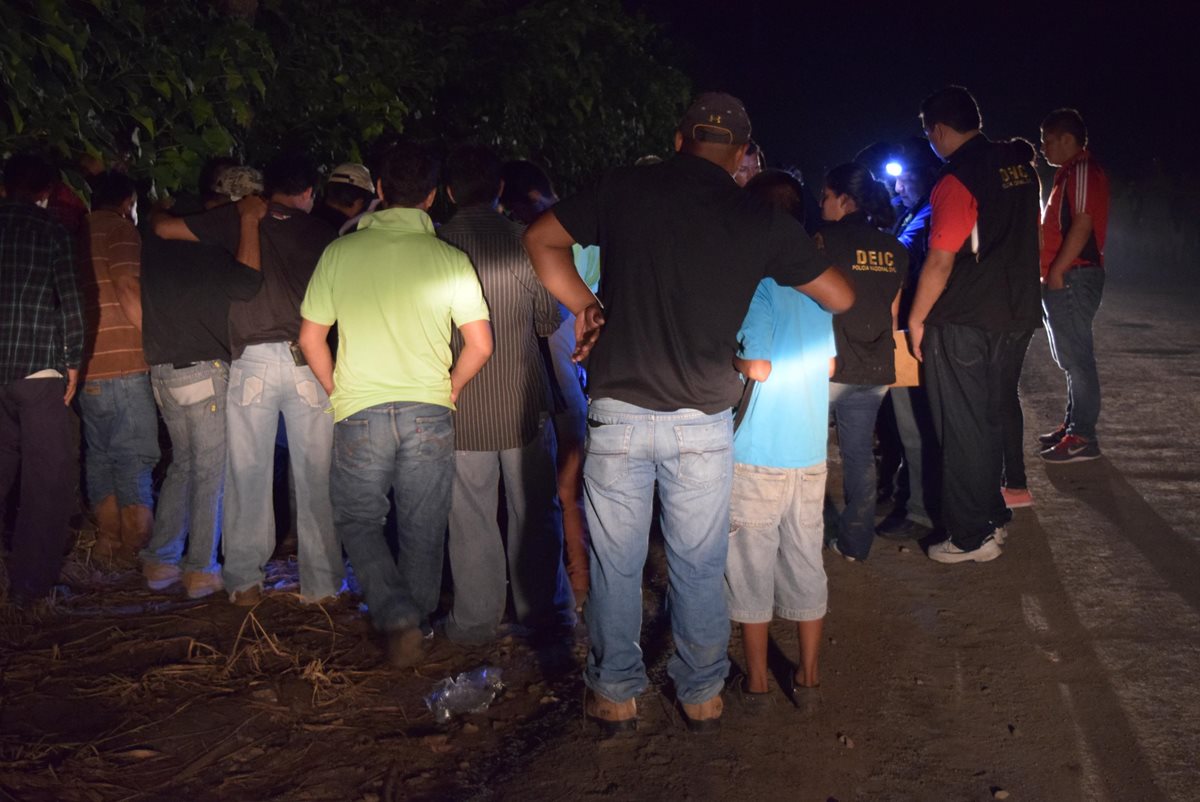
161	85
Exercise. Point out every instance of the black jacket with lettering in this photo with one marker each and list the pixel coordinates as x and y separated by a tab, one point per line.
875	263
994	284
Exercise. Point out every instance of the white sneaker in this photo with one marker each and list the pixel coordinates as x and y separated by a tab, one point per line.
833	546
947	552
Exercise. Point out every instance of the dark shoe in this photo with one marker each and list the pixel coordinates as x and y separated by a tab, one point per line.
805	698
1072	448
752	702
902	529
406	647
1050	439
612	717
704	717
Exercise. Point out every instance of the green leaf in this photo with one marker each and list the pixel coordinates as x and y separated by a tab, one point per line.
145	117
64	50
18	120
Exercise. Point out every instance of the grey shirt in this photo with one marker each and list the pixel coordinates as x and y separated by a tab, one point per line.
501	407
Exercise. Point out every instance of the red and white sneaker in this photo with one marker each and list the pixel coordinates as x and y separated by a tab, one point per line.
1016	497
1072	448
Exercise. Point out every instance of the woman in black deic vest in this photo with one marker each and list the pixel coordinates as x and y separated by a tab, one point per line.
855	207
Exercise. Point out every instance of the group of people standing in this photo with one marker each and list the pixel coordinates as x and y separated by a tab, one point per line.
432	368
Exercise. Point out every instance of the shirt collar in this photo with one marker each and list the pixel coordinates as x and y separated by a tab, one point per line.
398	218
1082	155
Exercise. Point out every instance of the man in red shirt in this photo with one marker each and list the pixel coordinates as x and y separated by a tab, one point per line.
1074	226
976	301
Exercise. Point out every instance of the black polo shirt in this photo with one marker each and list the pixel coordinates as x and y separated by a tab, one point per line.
683	249
186	291
292	242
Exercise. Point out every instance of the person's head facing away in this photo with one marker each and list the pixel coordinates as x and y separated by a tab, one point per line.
851	188
473	176
28	178
408	176
950	117
290	179
114	192
715	128
527	191
780	189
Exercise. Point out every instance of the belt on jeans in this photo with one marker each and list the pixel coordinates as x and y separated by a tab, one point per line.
182	365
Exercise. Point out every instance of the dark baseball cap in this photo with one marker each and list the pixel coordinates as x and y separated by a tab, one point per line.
716	117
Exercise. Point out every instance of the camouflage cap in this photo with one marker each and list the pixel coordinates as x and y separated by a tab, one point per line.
238	182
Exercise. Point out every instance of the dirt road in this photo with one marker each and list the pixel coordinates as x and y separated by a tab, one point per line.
1066	670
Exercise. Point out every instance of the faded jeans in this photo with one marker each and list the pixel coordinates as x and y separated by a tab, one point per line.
192	402
1069	315
407	448
690	454
263	382
120	432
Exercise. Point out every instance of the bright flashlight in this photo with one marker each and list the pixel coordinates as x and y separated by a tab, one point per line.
894	169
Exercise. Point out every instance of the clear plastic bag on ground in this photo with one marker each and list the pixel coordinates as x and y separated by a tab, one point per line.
469	692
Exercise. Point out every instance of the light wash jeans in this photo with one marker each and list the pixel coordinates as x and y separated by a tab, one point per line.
192	403
262	383
531	552
407	448
120	433
1069	315
690	454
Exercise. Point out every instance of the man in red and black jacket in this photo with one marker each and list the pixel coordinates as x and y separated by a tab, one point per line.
977	299
1074	227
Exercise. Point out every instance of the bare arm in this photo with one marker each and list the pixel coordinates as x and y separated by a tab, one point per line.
251	210
832	290
1073	245
315	345
477	350
757	369
174	228
549	247
934	275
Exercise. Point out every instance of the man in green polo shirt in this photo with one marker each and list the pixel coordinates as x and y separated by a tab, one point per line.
394	290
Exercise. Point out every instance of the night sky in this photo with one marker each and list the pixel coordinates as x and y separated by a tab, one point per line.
822	81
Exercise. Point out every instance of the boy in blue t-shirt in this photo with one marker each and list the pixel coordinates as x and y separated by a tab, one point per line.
775	564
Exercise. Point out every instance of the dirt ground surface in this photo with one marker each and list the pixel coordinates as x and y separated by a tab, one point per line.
1065	670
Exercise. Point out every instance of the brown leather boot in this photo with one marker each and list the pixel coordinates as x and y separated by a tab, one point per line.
137	525
705	716
613	717
108	528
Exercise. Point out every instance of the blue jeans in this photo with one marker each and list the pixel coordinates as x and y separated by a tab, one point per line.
1069	315
690	455
407	448
263	382
192	403
921	458
120	432
529	559
854	408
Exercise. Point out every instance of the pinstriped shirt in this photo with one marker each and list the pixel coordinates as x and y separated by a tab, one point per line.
41	313
501	407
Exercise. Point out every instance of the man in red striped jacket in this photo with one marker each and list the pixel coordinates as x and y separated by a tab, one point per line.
1074	226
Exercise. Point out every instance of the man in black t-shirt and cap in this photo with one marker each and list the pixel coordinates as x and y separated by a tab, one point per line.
684	249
